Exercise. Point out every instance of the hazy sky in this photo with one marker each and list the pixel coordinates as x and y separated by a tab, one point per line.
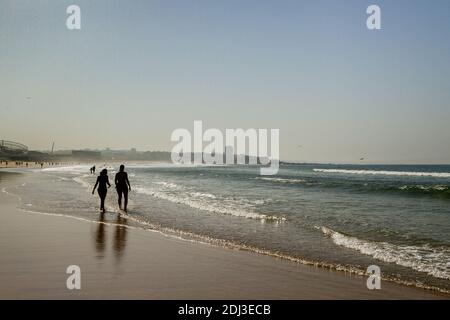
137	70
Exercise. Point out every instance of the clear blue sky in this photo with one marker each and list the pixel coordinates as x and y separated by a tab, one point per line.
139	69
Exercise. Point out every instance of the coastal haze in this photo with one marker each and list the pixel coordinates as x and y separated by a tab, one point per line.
135	72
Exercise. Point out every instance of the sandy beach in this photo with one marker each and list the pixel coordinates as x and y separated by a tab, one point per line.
118	262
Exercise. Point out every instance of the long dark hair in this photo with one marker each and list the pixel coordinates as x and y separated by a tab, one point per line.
104	172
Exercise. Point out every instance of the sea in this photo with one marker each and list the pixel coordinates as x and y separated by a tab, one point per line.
340	217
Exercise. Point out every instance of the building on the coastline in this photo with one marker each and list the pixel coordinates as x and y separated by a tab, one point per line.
86	155
11	148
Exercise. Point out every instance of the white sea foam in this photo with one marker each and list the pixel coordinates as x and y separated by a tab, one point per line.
202	195
198	200
77	169
205	201
170	165
281	180
81	181
425	188
388	173
433	261
169	185
192	237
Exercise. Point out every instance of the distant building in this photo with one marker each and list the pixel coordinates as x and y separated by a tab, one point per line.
12	148
86	155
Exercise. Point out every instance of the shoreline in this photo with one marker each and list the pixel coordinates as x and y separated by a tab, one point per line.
37	248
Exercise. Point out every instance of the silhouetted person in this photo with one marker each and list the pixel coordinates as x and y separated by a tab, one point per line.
102	181
122	186
93	169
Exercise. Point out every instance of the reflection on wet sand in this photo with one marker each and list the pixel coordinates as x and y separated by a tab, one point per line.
100	237
120	234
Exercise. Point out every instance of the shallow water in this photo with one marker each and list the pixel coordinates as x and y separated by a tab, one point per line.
346	216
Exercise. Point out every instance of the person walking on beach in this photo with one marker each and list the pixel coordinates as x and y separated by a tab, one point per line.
122	186
102	181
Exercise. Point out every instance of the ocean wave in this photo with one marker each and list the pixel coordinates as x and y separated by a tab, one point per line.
67	169
421	188
198	200
169	185
442	191
439	190
208	240
174	165
81	181
202	195
433	261
388	173
204	201
281	180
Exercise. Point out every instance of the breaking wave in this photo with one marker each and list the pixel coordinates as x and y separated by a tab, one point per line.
281	180
431	260
206	201
388	173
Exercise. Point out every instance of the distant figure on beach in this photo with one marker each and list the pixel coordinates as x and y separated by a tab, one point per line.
93	169
102	181
122	186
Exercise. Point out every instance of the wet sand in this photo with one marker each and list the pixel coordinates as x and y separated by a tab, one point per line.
124	263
